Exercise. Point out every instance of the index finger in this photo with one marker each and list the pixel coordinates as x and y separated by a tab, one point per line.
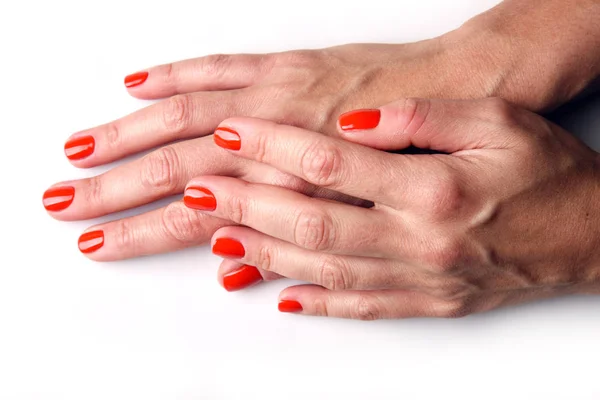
327	162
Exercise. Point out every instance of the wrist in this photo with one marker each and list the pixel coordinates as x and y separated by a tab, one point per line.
516	54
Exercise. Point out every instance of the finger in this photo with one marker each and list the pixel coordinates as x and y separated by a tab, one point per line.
179	117
443	125
162	173
327	162
247	246
171	228
234	276
310	223
365	305
213	72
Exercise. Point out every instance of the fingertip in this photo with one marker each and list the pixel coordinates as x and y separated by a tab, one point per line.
289	306
90	241
241	277
135	79
359	120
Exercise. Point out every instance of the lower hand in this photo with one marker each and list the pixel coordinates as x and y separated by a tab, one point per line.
303	88
507	212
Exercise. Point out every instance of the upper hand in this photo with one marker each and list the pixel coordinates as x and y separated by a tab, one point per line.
507	212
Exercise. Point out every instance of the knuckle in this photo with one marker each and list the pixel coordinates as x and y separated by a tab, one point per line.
412	115
112	135
456	308
332	274
320	163
124	235
238	209
160	170
264	258
314	231
177	112
445	197
215	65
319	307
261	145
367	309
170	72
94	191
180	225
447	255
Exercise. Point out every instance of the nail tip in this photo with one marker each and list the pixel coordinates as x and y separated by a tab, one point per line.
241	278
135	79
65	192
289	306
199	198
362	119
82	147
95	240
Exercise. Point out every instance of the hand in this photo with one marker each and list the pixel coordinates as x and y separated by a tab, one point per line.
508	211
304	88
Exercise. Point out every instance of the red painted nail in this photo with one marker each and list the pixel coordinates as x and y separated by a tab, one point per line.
58	198
91	241
359	120
199	198
80	147
290	306
241	278
227	138
135	79
227	247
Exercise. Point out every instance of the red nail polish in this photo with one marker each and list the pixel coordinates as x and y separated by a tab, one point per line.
241	278
227	247
80	147
199	198
359	120
290	306
58	198
136	79
227	138
91	241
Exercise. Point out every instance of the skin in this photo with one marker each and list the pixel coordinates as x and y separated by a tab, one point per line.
508	212
309	89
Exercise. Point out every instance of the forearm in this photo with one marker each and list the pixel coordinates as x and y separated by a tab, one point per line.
536	53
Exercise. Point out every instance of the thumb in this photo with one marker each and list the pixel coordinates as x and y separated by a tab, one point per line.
442	125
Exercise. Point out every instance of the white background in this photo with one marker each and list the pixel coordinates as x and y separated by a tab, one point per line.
161	327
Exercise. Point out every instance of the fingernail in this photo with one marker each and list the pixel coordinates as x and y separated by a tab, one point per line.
227	138
58	198
290	306
199	198
80	147
136	79
91	241
359	120
227	247
241	278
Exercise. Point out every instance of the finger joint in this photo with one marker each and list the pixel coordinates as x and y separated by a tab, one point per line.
320	163
160	170
314	230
